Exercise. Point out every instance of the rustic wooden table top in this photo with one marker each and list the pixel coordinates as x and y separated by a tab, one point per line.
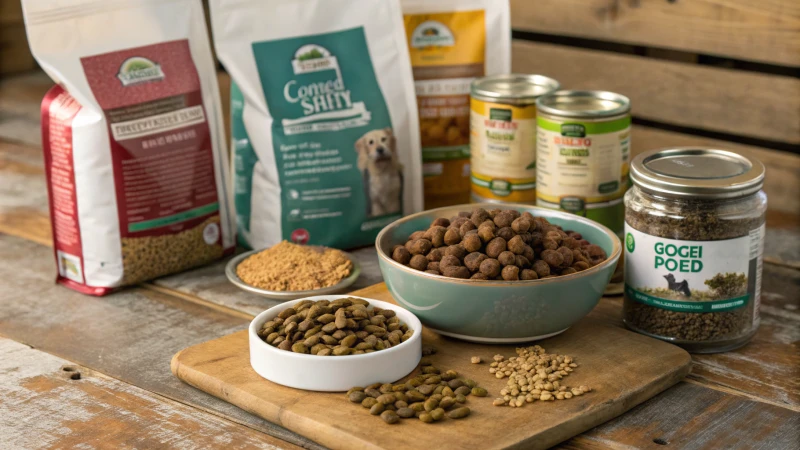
77	369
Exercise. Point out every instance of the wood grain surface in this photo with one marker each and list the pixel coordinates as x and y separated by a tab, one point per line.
47	402
222	368
766	31
716	99
130	335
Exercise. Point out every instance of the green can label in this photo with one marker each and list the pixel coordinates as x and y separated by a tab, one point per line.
582	167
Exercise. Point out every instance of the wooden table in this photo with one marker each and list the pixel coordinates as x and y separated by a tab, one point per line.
77	369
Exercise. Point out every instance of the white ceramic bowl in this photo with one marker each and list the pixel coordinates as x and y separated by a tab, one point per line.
334	373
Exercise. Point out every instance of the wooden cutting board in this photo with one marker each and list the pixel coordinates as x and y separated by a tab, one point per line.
622	367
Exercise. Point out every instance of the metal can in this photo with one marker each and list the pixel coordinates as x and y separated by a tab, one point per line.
583	154
503	136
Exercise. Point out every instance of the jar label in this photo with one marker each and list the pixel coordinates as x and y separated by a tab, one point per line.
693	276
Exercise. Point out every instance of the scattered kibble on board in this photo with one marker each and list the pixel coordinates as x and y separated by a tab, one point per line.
430	396
534	375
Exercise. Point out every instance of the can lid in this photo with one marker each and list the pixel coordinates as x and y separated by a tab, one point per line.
697	172
583	104
513	88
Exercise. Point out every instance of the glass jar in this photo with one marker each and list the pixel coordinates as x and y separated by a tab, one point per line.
694	236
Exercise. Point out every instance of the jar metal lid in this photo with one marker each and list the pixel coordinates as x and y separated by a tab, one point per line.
513	88
583	104
697	172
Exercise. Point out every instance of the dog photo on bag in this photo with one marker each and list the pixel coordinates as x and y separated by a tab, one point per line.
382	172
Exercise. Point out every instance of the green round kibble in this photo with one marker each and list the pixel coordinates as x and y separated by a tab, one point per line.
479	392
470	383
390	417
431	404
405	413
357	396
437	414
376	409
368	402
460	398
458	413
426	417
463	390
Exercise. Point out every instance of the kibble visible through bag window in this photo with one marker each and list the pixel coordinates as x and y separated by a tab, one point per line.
133	140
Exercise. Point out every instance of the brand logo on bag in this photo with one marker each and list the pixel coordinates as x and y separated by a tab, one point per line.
137	70
432	34
319	89
300	236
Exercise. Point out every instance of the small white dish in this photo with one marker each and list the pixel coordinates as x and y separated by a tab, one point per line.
334	373
230	272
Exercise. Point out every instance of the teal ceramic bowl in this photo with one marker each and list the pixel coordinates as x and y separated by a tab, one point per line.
497	311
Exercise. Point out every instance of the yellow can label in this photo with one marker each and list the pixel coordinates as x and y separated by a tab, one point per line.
503	149
447	52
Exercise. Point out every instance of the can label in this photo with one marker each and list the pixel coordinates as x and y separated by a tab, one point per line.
582	167
503	149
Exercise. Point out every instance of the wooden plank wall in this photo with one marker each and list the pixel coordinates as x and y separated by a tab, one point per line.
721	73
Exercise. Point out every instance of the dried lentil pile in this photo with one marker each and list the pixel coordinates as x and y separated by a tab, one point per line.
534	375
497	245
292	267
345	326
148	257
430	396
696	221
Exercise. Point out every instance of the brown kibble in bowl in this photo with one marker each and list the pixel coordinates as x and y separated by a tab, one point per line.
516	245
495	247
520	225
473	261
528	274
490	267
504	219
479	244
472	243
452	236
456	272
510	273
435	254
420	247
553	258
419	262
456	250
436	235
507	258
441	222
447	261
506	233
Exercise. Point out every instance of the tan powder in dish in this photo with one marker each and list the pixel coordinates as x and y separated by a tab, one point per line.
291	267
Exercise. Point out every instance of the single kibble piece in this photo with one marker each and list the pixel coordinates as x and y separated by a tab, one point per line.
472	242
452	236
457	250
475	360
458	413
510	273
401	255
495	247
473	261
507	258
420	247
490	267
419	262
390	417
